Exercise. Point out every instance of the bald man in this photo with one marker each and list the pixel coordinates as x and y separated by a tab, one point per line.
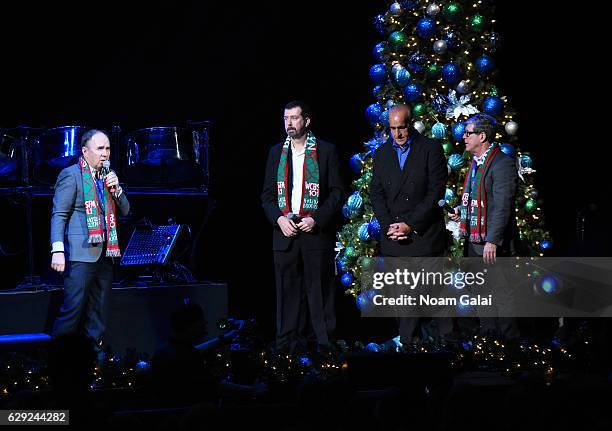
409	178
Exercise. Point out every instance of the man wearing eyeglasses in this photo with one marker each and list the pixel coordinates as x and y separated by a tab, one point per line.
486	214
408	179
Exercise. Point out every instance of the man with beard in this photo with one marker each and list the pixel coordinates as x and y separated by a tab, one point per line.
302	195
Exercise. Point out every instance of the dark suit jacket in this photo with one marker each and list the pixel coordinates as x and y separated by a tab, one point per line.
68	219
500	187
411	196
331	197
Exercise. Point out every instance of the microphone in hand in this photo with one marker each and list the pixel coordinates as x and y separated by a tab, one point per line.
105	172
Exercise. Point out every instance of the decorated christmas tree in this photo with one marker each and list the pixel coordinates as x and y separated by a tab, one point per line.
439	58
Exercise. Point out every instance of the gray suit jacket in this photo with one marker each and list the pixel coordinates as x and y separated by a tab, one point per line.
68	220
500	186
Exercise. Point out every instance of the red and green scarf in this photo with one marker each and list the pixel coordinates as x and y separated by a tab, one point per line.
94	222
310	179
474	199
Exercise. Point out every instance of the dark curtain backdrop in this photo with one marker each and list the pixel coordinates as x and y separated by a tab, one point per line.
162	63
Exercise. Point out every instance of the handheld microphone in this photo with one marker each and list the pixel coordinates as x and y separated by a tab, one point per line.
105	172
446	207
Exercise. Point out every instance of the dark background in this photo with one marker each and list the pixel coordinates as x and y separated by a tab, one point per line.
162	63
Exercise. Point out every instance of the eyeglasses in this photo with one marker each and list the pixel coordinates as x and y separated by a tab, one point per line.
470	133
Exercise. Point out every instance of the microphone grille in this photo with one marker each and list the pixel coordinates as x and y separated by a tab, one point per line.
106	164
441	202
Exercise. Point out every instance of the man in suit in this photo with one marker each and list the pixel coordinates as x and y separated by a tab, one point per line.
487	212
408	179
84	237
302	195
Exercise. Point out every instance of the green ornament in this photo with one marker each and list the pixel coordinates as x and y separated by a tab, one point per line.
494	91
397	40
350	253
447	147
477	23
530	205
451	11
418	110
522	236
433	69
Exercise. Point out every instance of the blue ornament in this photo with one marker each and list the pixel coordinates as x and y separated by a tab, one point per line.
346	212
451	73
467	344
449	195
373	144
374	229
373	347
545	245
379	50
508	150
485	64
452	39
438	130
363	232
355	163
373	112
376	91
401	76
426	28
492	105
384	118
347	279
455	162
355	202
412	92
305	361
364	299
526	162
390	103
143	365
549	284
343	265
416	62
378	73
458	130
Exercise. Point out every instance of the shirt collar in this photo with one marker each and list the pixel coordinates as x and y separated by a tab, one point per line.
404	147
480	160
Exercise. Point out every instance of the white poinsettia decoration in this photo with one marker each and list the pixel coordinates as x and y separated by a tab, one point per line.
459	107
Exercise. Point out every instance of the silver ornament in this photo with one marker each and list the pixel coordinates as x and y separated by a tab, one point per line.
511	128
433	10
419	126
395	9
440	46
463	87
533	194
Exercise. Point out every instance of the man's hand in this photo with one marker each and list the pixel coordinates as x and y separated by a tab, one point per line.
489	253
58	261
307	224
454	216
287	226
398	231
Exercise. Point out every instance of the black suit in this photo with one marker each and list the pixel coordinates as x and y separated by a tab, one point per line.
411	195
304	265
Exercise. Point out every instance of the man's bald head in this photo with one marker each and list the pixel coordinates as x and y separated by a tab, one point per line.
399	123
402	112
